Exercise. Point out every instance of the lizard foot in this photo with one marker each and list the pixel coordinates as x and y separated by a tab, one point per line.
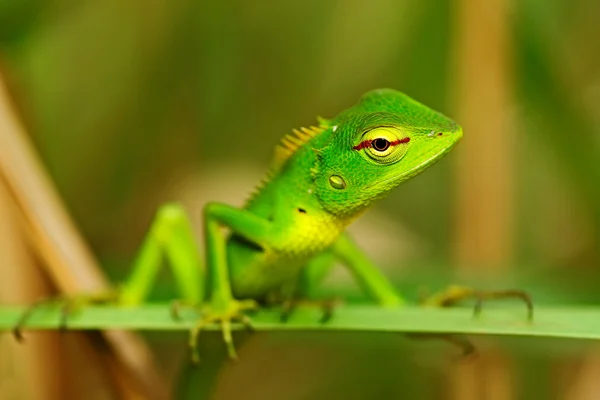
327	306
223	316
455	294
68	306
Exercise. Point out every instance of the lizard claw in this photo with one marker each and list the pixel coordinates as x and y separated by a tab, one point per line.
234	312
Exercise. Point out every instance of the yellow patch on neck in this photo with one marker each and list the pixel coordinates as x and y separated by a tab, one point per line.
310	233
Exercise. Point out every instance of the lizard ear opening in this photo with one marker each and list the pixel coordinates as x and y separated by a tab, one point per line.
337	182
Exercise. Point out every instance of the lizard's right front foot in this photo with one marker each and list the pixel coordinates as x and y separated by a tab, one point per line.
233	311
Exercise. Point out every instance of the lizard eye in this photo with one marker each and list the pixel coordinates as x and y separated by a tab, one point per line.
384	145
380	144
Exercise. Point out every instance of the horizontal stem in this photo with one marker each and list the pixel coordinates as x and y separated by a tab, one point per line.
566	322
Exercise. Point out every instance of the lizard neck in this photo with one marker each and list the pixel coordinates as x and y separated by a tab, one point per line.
294	188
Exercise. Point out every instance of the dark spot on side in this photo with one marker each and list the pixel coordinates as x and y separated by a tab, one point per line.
302	210
440	134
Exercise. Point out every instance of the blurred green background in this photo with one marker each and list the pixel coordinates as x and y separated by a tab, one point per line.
134	103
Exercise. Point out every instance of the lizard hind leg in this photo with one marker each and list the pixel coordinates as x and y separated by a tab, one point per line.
170	236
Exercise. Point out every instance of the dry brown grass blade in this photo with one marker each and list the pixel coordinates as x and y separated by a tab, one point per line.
484	243
64	253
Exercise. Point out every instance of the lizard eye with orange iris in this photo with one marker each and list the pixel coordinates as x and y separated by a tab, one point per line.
380	144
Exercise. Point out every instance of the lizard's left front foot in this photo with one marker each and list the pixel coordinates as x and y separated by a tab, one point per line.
327	306
455	294
224	316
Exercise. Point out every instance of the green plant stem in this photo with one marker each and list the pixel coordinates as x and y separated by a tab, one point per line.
563	322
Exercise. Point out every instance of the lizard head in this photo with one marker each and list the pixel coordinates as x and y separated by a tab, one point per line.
374	146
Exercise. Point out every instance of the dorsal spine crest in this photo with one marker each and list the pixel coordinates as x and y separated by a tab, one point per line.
289	144
292	142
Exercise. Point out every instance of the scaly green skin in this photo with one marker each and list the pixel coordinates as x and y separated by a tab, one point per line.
291	231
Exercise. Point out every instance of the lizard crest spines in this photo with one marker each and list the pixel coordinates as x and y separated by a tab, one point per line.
289	144
292	142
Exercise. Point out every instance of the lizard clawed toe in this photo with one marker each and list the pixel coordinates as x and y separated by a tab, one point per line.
234	312
481	296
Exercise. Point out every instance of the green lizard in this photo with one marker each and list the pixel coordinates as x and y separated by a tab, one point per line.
291	230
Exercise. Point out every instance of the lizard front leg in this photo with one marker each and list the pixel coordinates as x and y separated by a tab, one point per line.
364	271
222	307
368	276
